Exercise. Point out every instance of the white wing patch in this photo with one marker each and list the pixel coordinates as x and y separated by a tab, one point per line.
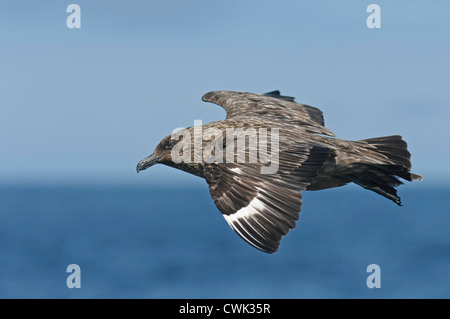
242	215
248	222
236	170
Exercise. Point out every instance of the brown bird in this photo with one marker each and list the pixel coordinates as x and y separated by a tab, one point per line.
262	206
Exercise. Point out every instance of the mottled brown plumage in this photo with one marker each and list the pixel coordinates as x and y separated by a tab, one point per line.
262	208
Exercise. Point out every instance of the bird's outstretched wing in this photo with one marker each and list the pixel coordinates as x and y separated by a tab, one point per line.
271	106
262	208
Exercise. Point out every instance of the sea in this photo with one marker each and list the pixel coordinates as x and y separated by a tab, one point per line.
172	242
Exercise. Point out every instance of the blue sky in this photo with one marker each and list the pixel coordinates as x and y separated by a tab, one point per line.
85	105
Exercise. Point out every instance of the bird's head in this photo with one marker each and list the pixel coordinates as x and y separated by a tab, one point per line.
183	149
162	154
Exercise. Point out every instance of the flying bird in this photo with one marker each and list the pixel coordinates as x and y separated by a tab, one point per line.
262	207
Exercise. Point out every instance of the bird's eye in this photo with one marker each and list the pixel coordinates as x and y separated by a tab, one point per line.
169	144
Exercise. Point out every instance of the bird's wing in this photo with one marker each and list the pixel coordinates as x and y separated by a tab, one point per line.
262	208
271	106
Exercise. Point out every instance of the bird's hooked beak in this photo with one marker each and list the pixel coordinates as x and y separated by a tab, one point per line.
147	162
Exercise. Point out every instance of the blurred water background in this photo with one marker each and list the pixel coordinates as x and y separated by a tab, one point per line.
172	242
80	107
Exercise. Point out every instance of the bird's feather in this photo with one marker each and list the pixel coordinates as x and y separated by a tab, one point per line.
271	106
262	208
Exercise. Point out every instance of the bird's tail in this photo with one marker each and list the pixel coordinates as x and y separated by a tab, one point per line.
382	178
